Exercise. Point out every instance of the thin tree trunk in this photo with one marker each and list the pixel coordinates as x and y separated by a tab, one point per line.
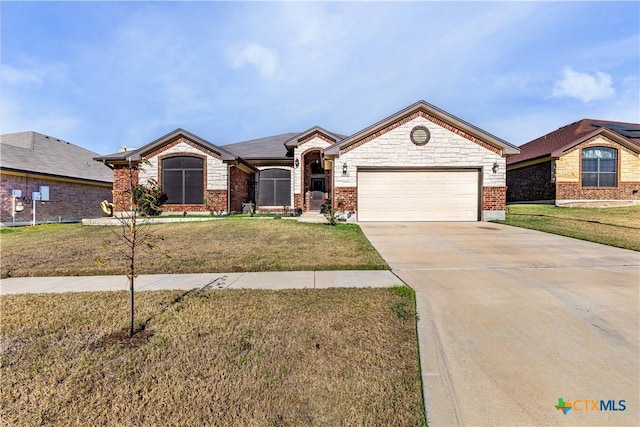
132	271
131	331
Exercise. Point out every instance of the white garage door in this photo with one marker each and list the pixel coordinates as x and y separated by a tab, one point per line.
433	195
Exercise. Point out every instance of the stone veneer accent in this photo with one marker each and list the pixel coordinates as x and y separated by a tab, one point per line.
216	171
182	140
429	118
395	149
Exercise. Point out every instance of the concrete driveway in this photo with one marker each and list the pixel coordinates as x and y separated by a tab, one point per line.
511	320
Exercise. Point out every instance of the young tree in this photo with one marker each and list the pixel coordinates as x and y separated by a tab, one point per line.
134	234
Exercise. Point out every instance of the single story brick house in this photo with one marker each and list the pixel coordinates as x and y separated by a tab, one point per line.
71	183
419	164
585	161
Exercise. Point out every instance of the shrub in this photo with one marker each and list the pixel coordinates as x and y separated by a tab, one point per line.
149	198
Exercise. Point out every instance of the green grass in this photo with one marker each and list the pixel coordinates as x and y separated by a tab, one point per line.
613	226
227	245
234	357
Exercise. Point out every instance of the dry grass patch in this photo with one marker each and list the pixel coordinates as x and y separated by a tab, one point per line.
613	226
235	357
229	245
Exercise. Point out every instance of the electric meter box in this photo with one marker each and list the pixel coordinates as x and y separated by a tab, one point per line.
44	193
16	193
36	195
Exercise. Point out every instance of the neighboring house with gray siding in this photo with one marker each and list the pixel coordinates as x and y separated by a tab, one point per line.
31	161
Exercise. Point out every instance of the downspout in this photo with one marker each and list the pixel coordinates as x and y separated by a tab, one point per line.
229	166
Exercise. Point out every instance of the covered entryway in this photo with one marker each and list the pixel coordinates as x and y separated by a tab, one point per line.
314	179
418	194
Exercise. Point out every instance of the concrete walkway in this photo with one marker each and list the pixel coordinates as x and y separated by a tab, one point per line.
151	282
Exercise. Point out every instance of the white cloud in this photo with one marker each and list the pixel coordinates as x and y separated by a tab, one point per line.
30	73
263	59
15	76
582	86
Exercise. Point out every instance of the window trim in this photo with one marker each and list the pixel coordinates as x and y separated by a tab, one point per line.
162	171
598	173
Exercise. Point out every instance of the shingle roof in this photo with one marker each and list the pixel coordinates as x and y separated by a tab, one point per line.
37	153
567	135
136	155
270	147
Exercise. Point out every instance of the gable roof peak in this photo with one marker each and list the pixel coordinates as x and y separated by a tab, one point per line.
137	154
296	139
431	111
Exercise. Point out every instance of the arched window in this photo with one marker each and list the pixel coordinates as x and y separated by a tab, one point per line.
599	167
275	187
183	179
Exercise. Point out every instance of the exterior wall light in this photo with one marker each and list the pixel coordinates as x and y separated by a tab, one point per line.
344	169
297	162
495	167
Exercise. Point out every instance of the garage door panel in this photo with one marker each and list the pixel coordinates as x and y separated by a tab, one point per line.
418	195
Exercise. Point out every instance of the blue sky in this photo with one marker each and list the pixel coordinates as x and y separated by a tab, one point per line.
109	74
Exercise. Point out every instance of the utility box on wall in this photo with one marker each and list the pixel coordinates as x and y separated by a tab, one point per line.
44	193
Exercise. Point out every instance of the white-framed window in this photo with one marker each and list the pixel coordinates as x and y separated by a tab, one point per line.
599	167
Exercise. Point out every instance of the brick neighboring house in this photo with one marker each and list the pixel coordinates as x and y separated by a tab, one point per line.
76	183
419	164
585	161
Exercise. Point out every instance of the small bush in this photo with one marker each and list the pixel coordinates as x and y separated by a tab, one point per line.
149	198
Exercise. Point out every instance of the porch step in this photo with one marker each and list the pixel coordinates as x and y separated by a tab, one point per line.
313	216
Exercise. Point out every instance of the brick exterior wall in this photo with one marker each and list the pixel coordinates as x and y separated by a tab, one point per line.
346	195
123	179
493	198
575	191
240	183
531	183
297	201
69	201
214	200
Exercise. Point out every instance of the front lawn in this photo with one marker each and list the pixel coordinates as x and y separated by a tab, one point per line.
229	358
614	226
228	245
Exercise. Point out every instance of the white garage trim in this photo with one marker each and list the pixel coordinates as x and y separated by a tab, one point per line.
434	194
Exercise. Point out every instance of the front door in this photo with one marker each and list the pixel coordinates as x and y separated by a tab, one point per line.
317	194
316	200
